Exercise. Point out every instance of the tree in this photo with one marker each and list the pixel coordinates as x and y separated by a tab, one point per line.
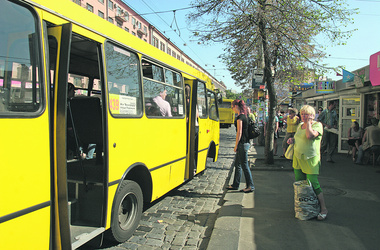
230	95
279	36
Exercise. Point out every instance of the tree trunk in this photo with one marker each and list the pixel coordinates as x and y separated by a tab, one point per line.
270	126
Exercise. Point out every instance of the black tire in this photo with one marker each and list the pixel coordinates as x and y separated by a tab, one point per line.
126	211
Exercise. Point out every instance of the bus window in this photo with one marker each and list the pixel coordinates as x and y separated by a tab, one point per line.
202	105
123	81
173	78
225	105
153	71
20	89
212	106
162	99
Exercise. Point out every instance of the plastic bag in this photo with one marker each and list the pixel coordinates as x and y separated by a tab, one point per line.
289	152
306	204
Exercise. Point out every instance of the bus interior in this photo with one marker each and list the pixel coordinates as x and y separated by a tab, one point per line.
86	178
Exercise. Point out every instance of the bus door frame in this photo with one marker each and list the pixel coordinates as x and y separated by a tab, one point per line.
191	133
61	230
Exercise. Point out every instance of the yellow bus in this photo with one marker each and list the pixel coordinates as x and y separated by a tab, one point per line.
227	116
130	105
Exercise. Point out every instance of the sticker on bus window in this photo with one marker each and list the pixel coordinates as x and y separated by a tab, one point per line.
180	109
128	105
121	51
124	105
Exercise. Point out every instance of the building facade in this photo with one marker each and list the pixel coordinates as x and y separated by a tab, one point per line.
358	100
120	14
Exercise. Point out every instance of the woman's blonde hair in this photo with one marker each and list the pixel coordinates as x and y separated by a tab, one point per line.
293	110
308	110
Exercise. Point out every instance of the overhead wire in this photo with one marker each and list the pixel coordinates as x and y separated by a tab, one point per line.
191	7
174	20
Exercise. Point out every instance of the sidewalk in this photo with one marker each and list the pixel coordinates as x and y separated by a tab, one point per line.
265	218
232	228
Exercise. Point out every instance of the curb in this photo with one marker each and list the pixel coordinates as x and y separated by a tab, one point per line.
258	164
225	234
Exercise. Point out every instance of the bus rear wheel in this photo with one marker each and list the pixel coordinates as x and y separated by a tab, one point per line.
127	210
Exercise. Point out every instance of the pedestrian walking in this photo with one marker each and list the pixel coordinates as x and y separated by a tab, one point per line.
329	120
292	120
306	157
241	148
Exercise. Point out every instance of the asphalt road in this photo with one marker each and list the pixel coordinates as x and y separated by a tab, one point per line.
201	214
185	217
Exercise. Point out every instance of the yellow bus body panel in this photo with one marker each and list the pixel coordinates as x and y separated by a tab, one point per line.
25	236
150	142
25	179
25	169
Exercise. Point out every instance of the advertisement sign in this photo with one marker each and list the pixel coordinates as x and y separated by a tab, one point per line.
324	87
374	69
258	79
301	87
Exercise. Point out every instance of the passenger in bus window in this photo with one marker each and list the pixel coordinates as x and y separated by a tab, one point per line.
164	105
152	110
115	90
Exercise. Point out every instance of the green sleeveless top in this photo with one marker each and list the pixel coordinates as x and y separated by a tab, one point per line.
305	148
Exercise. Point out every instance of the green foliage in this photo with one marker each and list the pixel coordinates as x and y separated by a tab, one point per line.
290	29
279	36
233	96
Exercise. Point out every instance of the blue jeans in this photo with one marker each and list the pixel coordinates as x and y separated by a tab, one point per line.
241	162
362	151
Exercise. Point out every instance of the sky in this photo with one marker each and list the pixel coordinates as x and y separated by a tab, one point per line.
363	43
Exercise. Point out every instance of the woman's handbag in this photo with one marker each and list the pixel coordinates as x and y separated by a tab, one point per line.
306	204
289	152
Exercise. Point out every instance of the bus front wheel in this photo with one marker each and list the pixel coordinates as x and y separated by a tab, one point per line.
127	210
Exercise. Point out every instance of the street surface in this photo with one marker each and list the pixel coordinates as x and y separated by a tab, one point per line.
185	217
201	214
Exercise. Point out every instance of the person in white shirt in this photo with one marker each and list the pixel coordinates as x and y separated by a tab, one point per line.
320	109
164	105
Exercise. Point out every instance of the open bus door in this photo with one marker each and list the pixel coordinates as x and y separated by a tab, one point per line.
191	133
197	137
79	184
62	35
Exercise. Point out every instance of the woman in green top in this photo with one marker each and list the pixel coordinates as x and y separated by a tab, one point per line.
307	157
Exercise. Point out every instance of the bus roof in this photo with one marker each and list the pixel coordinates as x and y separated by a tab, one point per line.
86	21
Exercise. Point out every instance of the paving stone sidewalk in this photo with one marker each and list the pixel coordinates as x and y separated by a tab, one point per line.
185	217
